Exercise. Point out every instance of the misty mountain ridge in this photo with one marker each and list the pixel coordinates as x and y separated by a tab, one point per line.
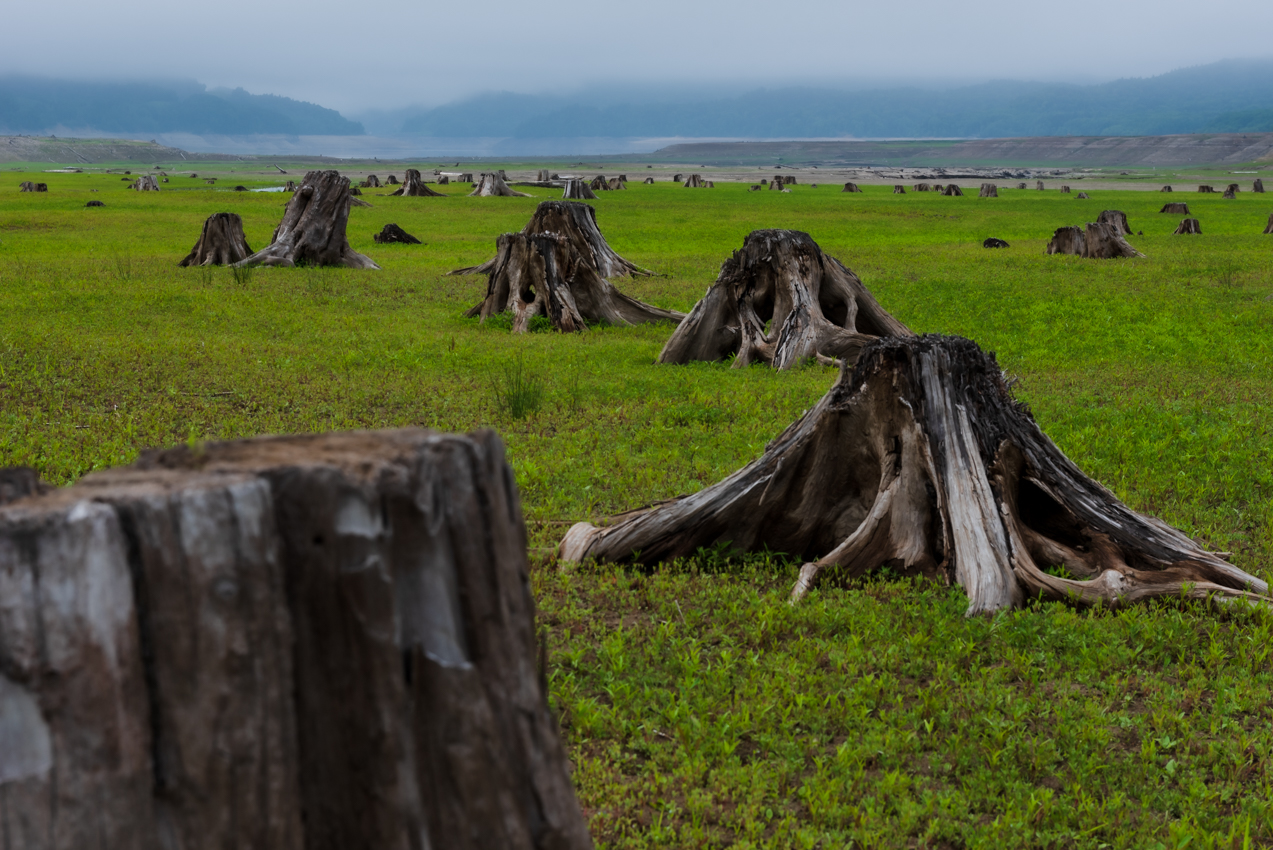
1229	96
39	105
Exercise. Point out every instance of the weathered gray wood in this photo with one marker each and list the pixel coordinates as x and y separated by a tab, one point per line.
694	181
1038	184
899	189
1082	196
988	190
221	242
920	459
1021	186
951	190
146	183
1117	220
413	186
1188	226
1102	241
1067	240
315	642
28	186
599	184
577	189
312	231
923	187
1065	190
492	185
1175	208
780	300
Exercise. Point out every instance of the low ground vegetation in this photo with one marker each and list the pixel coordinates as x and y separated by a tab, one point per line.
700	709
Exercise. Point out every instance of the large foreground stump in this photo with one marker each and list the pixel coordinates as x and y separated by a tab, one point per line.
221	242
1175	208
558	266
988	190
1188	226
577	189
312	232
1117	220
300	643
413	186
920	459
812	306
492	185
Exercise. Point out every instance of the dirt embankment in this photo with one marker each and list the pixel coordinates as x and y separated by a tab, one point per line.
90	151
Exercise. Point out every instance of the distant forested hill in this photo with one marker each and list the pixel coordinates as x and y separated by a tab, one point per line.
34	105
1231	96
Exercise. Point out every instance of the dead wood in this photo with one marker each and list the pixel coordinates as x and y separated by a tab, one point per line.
1258	186
146	183
391	180
1082	196
443	180
780	300
1038	184
992	242
1165	189
776	186
1233	188
413	186
1175	208
1269	228
756	188
558	266
788	180
694	181
1065	190
289	186
221	242
1206	190
851	187
358	202
394	233
28	186
1117	219
542	177
95	204
599	184
1187	226
615	184
939	188
622	178
952	190
1103	242
923	187
492	185
1067	240
920	459
1021	186
577	189
312	232
988	190
1229	194
466	177
648	181
899	189
372	182
677	178
298	643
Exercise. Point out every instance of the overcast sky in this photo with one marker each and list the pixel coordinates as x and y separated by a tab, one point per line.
393	53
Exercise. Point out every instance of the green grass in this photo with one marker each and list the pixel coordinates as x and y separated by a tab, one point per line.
700	709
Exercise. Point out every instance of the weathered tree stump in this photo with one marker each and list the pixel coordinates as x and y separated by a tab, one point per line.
577	189
1165	189
358	202
492	185
788	180
677	178
289	186
812	306
1188	226
393	233
755	188
443	180
1102	241
1065	190
920	459
1117	219
1229	194
992	242
391	180
558	266
542	177
988	190
466	177
413	186
1234	188
899	189
315	642
953	191
923	187
1206	190
939	188
1175	208
775	186
372	182
95	204
1067	240
1269	228
694	181
599	184
614	184
312	232
1038	184
28	186
851	187
622	178
648	181
221	242
146	183
1258	186
1022	186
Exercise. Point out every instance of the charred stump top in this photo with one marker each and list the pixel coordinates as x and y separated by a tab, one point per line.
780	300
1188	226
221	242
393	233
313	229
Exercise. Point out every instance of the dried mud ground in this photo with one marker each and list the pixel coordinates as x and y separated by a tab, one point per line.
699	708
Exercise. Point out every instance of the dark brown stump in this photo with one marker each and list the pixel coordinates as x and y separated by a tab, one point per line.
988	190
413	186
923	187
953	191
1258	186
812	306
491	185
788	180
694	181
1021	186
648	181
1116	219
298	643
1165	189
1188	226
851	187
558	266
1206	190
1175	209
95	204
221	243
1065	190
992	242
391	180
312	232
920	459
1233	188
393	233
577	189
939	188
372	182
1229	194
443	180
599	184
677	178
899	189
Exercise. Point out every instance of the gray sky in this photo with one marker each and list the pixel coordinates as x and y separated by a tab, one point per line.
399	52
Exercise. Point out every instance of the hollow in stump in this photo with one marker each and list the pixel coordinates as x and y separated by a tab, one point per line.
221	242
1188	226
780	300
920	459
312	232
394	233
413	186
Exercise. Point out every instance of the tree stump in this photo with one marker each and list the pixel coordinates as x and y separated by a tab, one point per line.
755	188
391	180
677	178
394	233
899	189
622	178
988	190
648	181
1206	190
812	306
1165	189
358	202
1021	186
1175	208
1258	186
542	177
1229	194
599	184
788	180
312	232
413	186
492	185
1269	228
939	188
558	266
694	181
1188	226
1233	188
923	187
1117	219
1038	184
372	182
615	184
289	186
774	186
444	180
1065	190
577	190
146	183
920	459
992	242
221	242
1103	242
316	642
95	204
851	187
953	191
1067	240
466	177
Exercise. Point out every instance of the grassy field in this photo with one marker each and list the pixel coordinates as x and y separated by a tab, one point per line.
700	709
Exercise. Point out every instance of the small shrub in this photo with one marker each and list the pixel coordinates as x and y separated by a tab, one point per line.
520	393
242	274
